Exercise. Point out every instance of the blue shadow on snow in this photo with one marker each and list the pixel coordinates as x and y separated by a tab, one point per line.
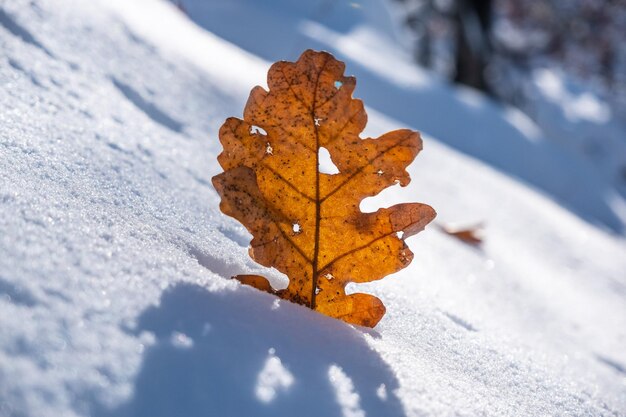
228	337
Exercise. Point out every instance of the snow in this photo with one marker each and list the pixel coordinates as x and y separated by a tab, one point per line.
578	117
114	257
273	376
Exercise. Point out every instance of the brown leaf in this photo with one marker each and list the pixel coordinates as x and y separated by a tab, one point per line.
470	235
305	223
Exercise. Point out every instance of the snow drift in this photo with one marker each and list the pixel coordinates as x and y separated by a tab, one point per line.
114	258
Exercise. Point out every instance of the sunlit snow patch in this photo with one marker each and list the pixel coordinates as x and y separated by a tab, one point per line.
576	105
348	399
272	378
381	392
522	123
181	340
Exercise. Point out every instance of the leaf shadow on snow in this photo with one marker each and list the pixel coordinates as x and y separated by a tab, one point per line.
211	347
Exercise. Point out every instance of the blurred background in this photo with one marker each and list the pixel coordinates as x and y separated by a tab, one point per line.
495	45
561	63
510	49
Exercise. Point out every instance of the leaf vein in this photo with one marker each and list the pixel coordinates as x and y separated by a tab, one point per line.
360	169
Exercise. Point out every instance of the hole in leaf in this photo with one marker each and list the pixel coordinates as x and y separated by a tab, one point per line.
296	228
268	149
338	84
256	130
380	172
400	234
326	165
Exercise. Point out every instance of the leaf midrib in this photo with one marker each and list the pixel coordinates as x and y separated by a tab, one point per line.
318	203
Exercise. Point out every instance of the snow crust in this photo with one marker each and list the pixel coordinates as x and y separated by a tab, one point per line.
114	257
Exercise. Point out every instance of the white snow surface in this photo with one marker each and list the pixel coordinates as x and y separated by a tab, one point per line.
115	297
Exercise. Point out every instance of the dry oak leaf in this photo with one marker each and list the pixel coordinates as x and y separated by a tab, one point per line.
305	223
471	235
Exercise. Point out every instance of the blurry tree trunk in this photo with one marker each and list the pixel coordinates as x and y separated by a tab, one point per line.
472	19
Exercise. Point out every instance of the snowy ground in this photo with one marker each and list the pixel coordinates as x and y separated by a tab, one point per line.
114	257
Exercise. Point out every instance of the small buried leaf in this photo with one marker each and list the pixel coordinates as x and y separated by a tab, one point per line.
470	235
